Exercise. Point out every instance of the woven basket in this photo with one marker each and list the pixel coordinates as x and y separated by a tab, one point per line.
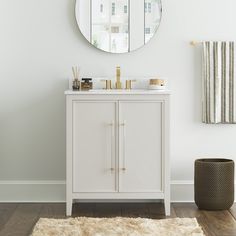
214	184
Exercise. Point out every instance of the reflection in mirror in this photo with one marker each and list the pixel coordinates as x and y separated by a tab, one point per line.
118	26
110	27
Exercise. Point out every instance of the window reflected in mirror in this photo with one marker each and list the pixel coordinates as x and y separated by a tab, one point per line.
152	18
118	26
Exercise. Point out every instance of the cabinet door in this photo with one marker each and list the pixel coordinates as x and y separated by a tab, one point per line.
140	150
94	146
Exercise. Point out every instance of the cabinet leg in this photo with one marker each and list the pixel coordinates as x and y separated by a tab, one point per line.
69	207
167	206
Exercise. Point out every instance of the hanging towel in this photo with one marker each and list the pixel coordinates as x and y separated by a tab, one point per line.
218	85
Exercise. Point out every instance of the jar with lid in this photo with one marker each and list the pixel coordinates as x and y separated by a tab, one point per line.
86	84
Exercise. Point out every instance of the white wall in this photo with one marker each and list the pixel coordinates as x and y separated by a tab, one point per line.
40	41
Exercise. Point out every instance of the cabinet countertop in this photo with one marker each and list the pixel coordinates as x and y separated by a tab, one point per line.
118	92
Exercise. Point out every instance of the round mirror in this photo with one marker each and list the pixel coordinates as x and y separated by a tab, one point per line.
118	26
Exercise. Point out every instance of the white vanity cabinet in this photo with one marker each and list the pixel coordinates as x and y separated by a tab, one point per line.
117	146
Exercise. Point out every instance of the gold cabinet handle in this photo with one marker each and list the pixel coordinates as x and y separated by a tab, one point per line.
124	144
112	148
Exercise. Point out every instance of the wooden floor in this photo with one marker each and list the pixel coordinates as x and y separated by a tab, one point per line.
19	219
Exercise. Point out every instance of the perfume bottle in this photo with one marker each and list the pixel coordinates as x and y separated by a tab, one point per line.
86	84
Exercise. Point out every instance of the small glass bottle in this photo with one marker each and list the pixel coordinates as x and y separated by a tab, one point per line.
76	84
86	84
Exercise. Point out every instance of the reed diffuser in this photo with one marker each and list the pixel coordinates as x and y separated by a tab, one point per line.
76	82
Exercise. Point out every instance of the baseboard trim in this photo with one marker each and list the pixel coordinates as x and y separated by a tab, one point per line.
182	182
34	182
32	191
183	191
55	191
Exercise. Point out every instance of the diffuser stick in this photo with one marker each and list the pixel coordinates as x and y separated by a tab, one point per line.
74	73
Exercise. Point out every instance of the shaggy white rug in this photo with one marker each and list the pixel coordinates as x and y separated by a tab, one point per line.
119	226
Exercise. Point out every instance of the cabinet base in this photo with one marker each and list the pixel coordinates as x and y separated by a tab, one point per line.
69	204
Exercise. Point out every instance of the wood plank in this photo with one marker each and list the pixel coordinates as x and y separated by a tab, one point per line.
233	211
214	223
221	223
190	210
157	211
53	210
186	210
135	210
172	212
6	211
22	220
83	209
107	210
